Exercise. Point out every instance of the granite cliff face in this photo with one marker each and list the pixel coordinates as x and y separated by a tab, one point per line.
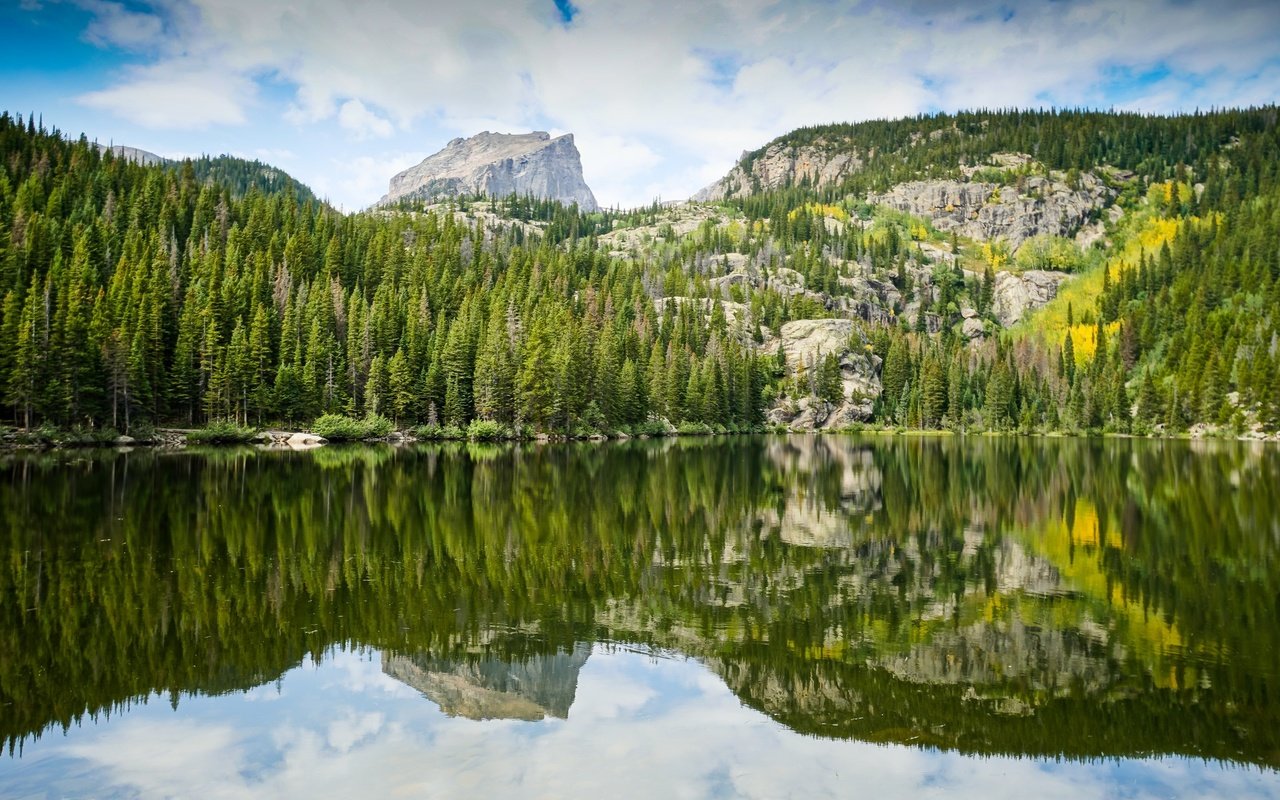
990	211
498	164
1036	204
779	165
804	343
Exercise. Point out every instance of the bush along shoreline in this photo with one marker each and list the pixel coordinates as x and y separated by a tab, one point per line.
338	428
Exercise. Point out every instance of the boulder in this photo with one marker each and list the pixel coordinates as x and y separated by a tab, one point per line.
302	441
1015	295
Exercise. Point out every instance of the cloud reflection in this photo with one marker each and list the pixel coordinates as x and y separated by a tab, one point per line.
639	727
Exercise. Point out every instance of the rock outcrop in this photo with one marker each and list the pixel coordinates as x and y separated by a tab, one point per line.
805	342
497	165
780	164
1015	295
989	211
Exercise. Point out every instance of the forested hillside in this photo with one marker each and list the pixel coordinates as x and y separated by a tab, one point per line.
135	293
1028	270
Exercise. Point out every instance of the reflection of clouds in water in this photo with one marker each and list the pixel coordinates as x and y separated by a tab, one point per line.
346	732
610	691
171	757
638	728
360	671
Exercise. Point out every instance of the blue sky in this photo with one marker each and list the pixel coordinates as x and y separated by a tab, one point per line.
662	97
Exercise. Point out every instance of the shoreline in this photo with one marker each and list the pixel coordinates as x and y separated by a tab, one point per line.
298	440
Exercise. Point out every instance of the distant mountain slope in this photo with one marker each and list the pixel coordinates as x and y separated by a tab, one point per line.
143	157
498	165
239	175
235	173
878	154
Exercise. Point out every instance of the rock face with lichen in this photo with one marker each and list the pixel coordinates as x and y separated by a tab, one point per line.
497	165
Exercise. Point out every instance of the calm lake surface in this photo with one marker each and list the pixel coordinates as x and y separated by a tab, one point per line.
762	617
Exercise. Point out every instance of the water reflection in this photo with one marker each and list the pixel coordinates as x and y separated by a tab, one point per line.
991	596
534	688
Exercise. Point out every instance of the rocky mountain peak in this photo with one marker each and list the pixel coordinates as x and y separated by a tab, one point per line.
498	164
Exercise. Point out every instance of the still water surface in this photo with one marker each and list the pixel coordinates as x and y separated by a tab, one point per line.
765	617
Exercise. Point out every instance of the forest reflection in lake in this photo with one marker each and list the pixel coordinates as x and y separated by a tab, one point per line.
949	597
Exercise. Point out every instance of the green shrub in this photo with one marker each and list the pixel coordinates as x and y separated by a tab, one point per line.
143	431
220	433
651	427
487	430
340	428
430	432
435	432
86	437
336	427
693	429
376	426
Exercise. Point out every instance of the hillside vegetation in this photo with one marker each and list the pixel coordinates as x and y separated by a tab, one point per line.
1132	260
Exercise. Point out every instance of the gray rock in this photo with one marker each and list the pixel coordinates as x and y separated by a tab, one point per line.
532	688
125	441
779	165
988	211
496	165
973	328
1015	295
305	440
804	342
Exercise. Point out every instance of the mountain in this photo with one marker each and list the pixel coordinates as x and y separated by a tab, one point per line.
133	154
235	173
240	175
1033	271
498	165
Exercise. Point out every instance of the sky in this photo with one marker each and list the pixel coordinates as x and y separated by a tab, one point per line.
639	727
662	97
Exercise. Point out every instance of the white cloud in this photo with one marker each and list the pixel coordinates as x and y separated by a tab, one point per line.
117	26
661	96
363	177
176	96
354	117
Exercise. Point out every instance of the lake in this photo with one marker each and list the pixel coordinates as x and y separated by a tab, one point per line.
753	616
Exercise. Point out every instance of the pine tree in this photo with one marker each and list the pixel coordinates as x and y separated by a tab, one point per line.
830	381
933	393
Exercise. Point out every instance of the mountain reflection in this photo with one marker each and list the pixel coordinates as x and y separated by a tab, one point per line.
534	688
1049	598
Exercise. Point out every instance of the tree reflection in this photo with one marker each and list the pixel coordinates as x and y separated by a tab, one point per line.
994	595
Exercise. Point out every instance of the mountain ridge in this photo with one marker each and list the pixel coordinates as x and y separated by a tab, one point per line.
498	165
